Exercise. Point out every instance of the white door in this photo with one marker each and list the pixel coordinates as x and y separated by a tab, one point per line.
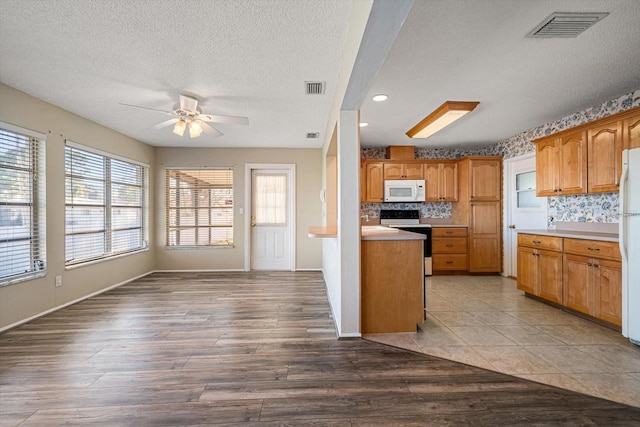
271	213
523	210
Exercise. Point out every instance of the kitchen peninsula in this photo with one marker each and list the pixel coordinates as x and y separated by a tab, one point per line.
392	280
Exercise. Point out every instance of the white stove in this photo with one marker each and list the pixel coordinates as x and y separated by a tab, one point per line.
409	220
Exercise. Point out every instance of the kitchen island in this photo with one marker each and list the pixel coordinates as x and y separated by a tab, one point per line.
391	280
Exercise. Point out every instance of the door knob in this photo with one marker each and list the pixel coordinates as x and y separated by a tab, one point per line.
512	226
253	224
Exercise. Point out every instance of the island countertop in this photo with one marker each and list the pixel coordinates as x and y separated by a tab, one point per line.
380	232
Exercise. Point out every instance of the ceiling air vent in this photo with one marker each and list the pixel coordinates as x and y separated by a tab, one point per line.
565	25
313	135
314	88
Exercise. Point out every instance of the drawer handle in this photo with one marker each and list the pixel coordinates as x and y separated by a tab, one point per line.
449	246
594	249
449	232
537	242
596	265
449	262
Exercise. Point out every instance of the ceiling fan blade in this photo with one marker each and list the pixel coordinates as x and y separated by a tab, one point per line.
170	113
188	103
167	123
233	120
211	131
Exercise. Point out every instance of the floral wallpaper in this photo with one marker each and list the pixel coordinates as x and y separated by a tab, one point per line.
579	208
427	209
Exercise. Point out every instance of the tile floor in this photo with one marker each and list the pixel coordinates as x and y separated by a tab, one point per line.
485	321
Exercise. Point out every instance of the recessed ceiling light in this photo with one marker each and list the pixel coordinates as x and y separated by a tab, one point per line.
379	98
364	124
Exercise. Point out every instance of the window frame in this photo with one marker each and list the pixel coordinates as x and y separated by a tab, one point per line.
168	208
37	204
108	206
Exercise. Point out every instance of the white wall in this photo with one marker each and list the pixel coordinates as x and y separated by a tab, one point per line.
308	206
26	299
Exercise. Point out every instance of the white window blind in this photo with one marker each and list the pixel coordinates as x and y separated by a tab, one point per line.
105	206
199	207
22	206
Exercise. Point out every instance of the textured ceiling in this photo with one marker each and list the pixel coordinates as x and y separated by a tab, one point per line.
462	50
251	58
247	58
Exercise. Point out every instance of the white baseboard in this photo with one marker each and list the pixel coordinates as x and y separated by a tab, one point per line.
221	270
51	310
309	269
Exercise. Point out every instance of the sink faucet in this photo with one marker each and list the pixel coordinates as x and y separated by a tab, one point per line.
366	217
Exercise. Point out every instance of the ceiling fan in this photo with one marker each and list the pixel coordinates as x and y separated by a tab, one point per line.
187	113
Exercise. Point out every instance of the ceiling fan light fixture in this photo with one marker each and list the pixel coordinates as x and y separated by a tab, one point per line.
443	116
195	129
179	128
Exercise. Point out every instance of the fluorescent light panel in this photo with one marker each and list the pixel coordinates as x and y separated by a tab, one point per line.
443	116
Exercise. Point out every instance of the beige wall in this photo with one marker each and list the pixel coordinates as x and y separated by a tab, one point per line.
308	206
25	299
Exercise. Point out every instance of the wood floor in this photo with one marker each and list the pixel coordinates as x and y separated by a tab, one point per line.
250	349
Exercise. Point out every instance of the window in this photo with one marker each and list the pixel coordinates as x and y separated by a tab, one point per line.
105	205
22	205
199	207
526	190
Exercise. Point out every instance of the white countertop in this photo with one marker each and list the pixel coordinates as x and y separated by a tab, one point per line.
574	234
379	233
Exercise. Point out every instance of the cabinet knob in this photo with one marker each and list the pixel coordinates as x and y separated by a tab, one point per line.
596	265
512	226
589	264
537	242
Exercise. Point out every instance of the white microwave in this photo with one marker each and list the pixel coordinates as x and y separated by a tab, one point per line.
404	190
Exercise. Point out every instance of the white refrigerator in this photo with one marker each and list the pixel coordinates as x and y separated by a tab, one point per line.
630	243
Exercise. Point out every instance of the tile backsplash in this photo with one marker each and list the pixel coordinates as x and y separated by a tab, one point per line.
579	208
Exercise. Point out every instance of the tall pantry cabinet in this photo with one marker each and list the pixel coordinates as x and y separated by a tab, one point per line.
480	206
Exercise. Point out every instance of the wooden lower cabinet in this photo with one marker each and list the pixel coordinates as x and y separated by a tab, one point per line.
449	248
593	286
485	240
582	275
540	270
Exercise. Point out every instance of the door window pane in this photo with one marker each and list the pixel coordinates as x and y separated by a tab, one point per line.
270	205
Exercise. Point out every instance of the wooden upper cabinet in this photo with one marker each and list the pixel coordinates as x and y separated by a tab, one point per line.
403	171
374	179
604	157
485	179
573	162
631	132
561	164
547	167
442	181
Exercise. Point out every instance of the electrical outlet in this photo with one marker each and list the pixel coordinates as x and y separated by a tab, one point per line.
58	281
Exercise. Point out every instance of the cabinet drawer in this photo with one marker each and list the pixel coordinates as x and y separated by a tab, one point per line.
450	262
592	248
541	242
455	245
449	231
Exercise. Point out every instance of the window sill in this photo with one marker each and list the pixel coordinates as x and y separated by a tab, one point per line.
25	278
197	248
97	261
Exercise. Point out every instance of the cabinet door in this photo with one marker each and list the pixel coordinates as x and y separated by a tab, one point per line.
485	179
432	175
631	132
605	157
375	182
413	171
573	163
527	268
577	293
393	171
608	291
550	276
449	182
485	242
547	164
